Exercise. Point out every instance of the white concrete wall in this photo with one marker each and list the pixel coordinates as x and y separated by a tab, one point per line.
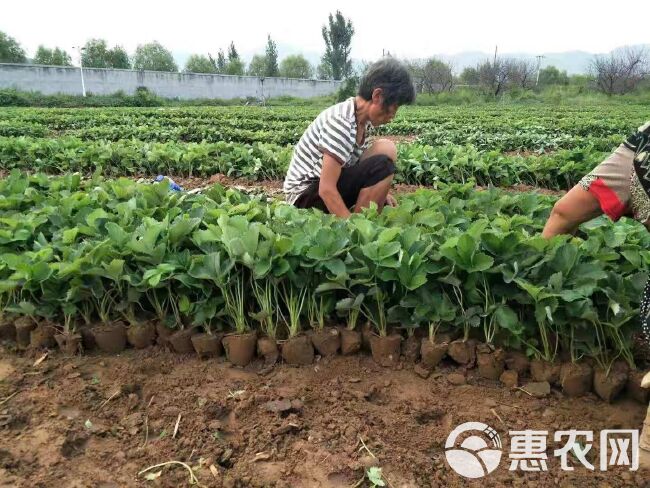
57	79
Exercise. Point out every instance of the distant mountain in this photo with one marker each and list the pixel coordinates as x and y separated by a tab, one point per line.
573	62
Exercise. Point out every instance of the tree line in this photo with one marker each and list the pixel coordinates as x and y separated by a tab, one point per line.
336	62
619	72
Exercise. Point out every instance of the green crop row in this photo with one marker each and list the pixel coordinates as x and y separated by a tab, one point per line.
458	260
504	128
417	164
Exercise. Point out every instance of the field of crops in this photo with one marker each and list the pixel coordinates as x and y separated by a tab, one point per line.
89	258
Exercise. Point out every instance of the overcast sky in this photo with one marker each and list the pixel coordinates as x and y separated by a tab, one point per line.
405	27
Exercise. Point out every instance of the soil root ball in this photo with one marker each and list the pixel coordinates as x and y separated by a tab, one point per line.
207	345
70	344
411	348
463	352
181	341
432	353
326	341
267	348
541	370
386	350
240	348
491	362
576	379
609	386
141	335
110	338
298	351
350	341
24	327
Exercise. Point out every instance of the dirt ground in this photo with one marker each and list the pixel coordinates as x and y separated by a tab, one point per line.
274	187
99	420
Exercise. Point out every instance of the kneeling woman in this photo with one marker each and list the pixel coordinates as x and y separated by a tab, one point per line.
618	186
334	167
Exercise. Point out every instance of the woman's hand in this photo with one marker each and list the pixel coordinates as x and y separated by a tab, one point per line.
390	200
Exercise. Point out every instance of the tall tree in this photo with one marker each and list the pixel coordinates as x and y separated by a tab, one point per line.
552	76
233	55
95	54
271	58
296	66
221	62
197	63
118	58
470	76
621	71
52	57
154	57
257	66
235	66
338	37
10	50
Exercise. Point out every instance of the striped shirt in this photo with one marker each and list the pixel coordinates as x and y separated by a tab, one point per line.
334	131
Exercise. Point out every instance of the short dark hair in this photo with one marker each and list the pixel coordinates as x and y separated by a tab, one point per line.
392	77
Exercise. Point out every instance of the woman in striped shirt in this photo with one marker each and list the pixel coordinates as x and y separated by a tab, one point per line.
334	167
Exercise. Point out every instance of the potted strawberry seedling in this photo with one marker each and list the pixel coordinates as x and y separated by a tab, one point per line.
468	264
27	324
69	340
7	297
109	334
159	299
350	336
239	345
576	377
140	333
266	295
297	349
208	343
385	347
326	340
431	307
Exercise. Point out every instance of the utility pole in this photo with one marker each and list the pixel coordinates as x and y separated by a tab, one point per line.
496	48
539	65
81	68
